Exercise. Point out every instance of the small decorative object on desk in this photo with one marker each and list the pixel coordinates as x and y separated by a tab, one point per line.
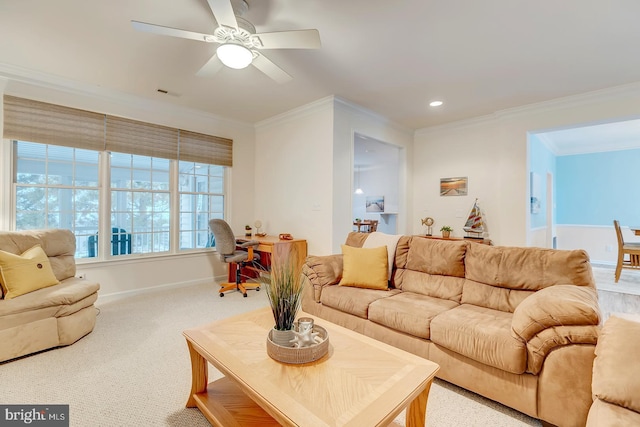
247	230
285	236
258	225
446	231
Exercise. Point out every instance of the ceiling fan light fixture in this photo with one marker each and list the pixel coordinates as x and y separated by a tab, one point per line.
234	55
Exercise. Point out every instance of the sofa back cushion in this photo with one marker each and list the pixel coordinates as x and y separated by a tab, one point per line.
58	244
356	239
529	269
430	267
500	277
494	297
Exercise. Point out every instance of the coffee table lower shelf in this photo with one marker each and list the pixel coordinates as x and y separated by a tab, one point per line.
225	405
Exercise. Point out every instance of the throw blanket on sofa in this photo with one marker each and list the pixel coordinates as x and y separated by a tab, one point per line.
377	239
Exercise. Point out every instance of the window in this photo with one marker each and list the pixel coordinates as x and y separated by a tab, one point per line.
201	199
57	187
60	187
140	202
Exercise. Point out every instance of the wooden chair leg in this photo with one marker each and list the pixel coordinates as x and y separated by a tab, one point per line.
619	266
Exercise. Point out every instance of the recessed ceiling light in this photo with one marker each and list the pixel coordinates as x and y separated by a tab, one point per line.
435	103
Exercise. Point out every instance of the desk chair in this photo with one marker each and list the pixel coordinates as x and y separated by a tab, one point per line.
226	248
631	249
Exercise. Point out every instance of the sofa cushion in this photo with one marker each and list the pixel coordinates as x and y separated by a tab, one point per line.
352	300
494	297
408	312
24	273
481	334
68	292
616	372
527	268
436	286
445	258
58	244
365	267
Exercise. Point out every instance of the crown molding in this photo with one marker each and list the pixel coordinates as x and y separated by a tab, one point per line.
296	113
458	125
329	101
341	102
10	72
572	101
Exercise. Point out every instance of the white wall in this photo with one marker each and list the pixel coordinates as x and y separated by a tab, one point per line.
492	152
304	170
135	274
294	174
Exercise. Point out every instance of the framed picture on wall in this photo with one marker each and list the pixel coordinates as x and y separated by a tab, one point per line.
457	186
374	204
535	193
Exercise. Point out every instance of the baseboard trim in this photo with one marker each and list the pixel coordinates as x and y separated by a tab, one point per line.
115	296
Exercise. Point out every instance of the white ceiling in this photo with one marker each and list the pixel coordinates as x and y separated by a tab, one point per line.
391	57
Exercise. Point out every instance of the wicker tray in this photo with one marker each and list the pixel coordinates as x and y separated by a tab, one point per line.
299	355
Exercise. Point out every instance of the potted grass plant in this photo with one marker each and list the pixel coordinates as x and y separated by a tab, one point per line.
284	292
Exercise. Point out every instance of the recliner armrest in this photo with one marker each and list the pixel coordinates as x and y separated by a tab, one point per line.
560	305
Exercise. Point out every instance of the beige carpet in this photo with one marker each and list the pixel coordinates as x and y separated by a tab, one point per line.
133	369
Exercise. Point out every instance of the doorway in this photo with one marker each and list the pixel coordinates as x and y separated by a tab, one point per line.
376	182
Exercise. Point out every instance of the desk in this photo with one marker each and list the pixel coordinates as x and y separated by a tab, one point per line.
274	251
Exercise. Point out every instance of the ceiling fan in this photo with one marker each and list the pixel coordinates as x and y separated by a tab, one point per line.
239	45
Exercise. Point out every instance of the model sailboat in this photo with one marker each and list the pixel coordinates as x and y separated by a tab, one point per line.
474	227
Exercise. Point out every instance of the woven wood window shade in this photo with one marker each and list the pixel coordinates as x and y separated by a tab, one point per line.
34	121
198	147
145	139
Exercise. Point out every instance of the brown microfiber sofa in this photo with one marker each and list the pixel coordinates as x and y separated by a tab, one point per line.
49	317
516	325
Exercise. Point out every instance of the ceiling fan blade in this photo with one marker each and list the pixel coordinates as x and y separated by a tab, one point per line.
168	31
209	69
297	39
223	12
270	69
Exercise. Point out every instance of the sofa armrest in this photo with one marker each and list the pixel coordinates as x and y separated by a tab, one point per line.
554	317
560	305
322	271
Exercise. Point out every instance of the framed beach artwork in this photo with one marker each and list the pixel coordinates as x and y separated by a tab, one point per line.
457	186
375	204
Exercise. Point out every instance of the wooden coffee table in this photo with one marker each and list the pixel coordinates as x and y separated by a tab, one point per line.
360	382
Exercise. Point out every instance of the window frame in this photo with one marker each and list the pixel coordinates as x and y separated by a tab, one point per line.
8	185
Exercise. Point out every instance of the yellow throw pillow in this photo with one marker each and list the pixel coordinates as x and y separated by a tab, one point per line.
365	267
28	272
